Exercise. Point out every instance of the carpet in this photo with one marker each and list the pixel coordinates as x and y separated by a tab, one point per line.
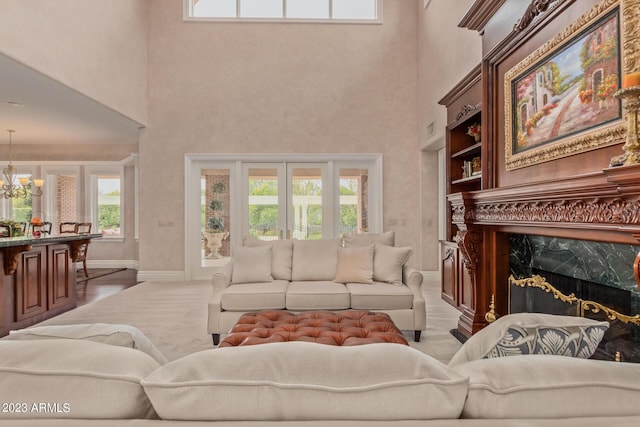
95	272
173	315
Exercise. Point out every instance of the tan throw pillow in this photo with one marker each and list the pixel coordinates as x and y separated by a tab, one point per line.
388	262
251	264
550	387
79	379
112	334
355	265
281	256
388	238
296	381
315	259
533	333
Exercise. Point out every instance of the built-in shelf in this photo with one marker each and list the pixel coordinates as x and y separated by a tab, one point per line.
474	149
468	179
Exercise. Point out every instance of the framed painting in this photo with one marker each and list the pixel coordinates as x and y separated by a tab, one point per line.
559	100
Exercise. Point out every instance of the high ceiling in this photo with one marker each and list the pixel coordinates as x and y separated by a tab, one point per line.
48	112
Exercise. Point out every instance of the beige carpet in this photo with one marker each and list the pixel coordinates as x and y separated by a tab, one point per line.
173	315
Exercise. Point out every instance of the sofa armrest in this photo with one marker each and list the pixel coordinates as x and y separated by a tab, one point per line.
222	278
413	279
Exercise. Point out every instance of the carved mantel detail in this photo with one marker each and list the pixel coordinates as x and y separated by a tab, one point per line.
536	8
466	110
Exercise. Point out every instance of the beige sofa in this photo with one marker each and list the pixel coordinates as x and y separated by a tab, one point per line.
49	381
363	272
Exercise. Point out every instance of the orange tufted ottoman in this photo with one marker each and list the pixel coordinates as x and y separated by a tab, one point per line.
324	327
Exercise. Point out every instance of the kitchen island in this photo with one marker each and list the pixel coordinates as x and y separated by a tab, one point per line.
38	277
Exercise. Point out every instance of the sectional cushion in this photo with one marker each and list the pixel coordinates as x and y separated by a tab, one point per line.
251	264
388	262
315	259
317	295
533	333
388	238
355	265
74	379
380	296
301	381
255	296
537	386
281	255
112	334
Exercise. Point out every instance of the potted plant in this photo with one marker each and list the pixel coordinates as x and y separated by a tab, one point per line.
215	234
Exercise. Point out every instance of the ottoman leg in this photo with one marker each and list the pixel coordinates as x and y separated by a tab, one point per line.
416	336
216	339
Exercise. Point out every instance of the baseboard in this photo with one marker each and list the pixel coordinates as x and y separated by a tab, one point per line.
160	276
112	263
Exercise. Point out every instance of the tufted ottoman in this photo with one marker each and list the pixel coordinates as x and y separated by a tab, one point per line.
325	327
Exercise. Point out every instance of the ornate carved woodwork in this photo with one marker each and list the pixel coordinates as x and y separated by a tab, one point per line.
536	8
78	248
466	110
11	257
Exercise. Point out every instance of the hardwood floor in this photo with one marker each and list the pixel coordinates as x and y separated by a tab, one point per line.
100	287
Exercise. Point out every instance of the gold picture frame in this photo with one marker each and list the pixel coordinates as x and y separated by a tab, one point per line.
523	148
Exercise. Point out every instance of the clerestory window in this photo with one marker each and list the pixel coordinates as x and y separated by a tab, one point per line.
357	11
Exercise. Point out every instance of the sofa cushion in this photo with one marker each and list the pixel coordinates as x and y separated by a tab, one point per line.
388	238
112	334
281	255
355	265
251	264
533	333
537	386
317	295
75	379
315	259
255	296
307	381
380	296
388	262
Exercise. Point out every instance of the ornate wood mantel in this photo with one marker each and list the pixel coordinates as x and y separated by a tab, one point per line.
602	206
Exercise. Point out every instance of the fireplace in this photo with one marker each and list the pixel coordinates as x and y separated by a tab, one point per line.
565	276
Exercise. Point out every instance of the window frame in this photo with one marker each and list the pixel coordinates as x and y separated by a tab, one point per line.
187	15
91	191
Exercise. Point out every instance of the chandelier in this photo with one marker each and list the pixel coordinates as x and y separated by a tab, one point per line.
8	187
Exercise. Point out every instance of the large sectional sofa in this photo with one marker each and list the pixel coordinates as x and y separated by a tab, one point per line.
359	272
110	375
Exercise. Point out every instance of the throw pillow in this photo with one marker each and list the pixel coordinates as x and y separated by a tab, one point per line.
281	256
355	265
388	238
251	264
302	381
533	333
315	259
388	262
112	334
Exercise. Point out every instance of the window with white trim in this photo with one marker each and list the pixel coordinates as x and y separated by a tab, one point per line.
285	10
106	196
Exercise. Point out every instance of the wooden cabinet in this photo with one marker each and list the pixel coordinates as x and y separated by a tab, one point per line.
31	284
61	278
463	173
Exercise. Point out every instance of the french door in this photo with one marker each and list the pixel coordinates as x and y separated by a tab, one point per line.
286	200
269	197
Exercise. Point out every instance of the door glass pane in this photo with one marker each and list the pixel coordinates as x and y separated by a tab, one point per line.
306	213
263	203
261	8
354	201
310	9
215	222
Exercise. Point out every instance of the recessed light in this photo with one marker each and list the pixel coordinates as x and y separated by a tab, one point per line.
14	104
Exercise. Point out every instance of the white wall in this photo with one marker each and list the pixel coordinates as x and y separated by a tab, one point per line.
446	53
96	47
277	88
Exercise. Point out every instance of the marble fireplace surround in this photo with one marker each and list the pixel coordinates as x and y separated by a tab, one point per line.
598	207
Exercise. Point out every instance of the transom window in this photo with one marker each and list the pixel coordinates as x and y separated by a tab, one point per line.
285	10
